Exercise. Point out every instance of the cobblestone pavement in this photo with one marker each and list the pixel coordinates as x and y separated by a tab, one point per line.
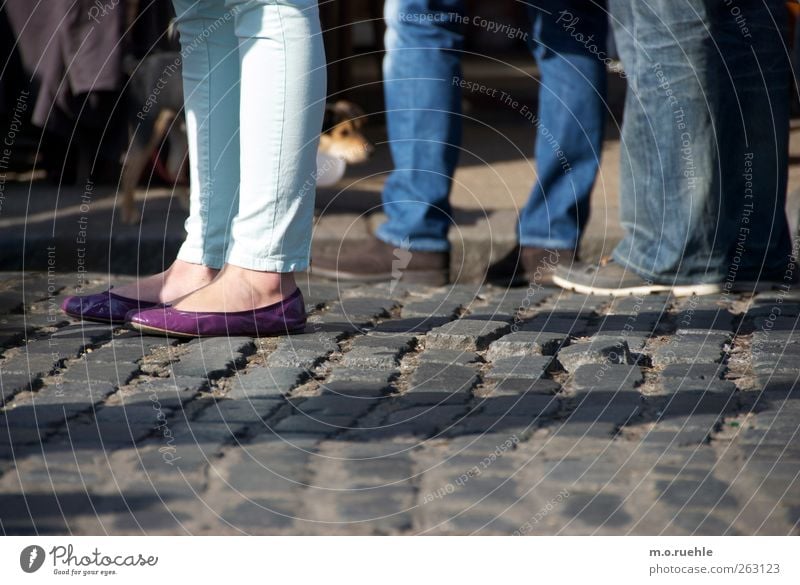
402	410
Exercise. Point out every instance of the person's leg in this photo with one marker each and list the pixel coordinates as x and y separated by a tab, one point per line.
283	94
670	190
569	44
422	70
422	73
754	93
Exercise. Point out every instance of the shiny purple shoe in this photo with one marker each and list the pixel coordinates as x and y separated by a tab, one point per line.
105	307
281	318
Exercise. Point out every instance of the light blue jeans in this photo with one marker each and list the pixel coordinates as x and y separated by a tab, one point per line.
254	88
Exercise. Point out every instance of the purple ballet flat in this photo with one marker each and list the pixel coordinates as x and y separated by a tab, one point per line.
281	318
105	307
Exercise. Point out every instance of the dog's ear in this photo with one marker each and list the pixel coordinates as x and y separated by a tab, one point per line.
330	120
344	110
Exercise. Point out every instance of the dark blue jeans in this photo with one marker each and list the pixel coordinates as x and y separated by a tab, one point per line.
705	139
422	71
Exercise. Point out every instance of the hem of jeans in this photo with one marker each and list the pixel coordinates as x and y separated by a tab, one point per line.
195	256
548	244
662	279
425	245
268	264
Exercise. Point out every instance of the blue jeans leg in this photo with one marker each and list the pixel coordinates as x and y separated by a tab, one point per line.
754	138
695	90
423	102
669	183
569	47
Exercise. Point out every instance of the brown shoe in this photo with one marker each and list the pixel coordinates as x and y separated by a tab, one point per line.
376	261
525	265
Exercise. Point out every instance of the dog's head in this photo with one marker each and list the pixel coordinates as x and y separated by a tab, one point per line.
341	133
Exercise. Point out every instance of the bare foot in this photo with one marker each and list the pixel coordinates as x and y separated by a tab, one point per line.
239	289
177	281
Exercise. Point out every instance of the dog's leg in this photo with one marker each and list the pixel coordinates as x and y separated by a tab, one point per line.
139	152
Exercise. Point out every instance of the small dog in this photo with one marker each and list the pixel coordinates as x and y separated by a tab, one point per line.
341	133
155	117
154	98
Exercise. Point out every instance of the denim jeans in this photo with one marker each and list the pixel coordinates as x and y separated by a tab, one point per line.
254	90
424	43
704	140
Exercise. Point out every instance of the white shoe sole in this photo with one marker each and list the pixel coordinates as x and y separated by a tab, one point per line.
648	289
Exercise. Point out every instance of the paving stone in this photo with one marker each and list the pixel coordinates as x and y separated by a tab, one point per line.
305	425
694	371
378	471
380	376
86	372
776	365
356	388
610	376
683	429
74	393
135	339
359	310
131	415
418	397
516	386
438	307
656	303
377	511
701	322
35	416
12	384
526	343
530	405
560	326
306	359
424	421
213	357
443	378
596	510
452	357
641	324
337	405
697	387
416	326
465	334
32	366
261	515
371	358
690	349
708	493
602	407
698	402
321	343
703	524
600	350
530	367
75	338
399	343
265	382
592	430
